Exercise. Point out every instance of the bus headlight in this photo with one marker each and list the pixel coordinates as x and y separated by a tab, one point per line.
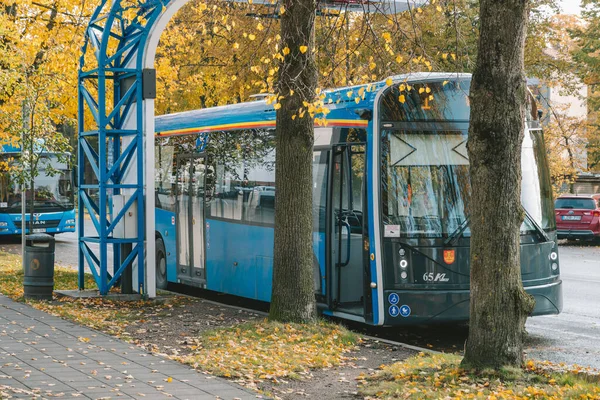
554	266
403	275
3	223
553	256
403	264
70	222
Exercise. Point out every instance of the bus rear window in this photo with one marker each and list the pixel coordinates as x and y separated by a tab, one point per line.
581	204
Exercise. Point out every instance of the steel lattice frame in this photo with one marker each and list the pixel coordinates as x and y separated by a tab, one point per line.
113	60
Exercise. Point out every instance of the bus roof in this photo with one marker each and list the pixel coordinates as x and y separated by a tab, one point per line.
258	114
9	148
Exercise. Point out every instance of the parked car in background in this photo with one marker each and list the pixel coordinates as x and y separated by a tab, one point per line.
578	216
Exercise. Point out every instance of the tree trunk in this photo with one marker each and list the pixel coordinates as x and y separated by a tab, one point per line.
571	164
499	305
293	297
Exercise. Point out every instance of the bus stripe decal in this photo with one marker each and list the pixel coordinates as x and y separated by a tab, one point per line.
257	124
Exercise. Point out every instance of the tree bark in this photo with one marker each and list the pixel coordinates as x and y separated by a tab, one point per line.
499	305
293	297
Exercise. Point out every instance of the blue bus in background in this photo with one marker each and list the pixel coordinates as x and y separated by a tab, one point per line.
53	196
391	200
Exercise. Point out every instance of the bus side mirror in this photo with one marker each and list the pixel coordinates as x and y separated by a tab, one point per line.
74	176
540	114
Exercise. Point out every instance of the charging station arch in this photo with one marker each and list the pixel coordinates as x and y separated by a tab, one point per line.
118	60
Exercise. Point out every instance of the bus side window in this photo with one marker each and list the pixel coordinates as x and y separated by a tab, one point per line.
165	183
241	176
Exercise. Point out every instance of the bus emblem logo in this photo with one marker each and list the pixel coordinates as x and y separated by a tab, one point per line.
449	256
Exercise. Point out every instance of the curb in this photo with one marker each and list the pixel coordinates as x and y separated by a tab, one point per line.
373	338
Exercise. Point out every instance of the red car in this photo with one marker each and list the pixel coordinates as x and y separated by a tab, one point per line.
578	216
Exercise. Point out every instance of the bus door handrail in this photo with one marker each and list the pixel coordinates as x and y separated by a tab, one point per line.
348	248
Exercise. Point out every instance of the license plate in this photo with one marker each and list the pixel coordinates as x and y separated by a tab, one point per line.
571	217
39	230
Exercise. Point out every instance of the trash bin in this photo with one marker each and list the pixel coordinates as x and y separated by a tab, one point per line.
38	282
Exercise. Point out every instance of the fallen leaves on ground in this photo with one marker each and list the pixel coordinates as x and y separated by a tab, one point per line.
439	376
108	316
254	352
11	277
249	352
9	392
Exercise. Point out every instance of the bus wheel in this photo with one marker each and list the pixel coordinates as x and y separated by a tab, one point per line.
161	264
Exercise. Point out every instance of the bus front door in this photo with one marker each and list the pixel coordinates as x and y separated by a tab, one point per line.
191	181
346	277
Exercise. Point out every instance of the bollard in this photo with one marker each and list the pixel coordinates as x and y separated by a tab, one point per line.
38	282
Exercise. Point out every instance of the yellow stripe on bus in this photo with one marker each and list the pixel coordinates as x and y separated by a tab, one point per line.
258	124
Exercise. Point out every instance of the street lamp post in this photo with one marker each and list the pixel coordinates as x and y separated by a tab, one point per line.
23	199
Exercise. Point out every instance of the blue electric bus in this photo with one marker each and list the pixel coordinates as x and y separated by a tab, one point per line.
391	199
53	195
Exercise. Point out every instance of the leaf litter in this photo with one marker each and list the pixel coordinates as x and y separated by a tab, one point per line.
283	361
439	376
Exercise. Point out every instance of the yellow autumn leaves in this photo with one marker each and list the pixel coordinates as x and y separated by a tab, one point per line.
107	316
235	56
439	376
229	56
254	352
41	44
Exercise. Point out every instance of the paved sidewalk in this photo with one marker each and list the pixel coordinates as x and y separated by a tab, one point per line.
45	357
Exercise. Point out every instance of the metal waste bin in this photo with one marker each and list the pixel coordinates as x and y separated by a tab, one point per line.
38	282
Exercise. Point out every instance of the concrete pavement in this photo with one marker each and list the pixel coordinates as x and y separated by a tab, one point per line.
43	356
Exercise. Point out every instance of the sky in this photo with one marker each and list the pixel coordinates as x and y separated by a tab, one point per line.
570	6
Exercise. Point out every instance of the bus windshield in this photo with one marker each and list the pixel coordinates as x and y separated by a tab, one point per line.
425	185
53	187
536	186
427	101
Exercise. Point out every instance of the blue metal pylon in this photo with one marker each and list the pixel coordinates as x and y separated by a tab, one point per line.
112	124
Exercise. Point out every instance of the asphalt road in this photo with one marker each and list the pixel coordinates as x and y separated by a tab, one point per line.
573	337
